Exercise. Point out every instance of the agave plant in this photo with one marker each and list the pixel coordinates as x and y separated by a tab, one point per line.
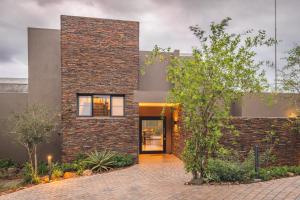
100	160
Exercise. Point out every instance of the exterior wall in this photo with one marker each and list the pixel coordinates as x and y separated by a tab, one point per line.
253	131
13	85
44	85
157	111
43	88
154	78
99	56
44	81
153	86
269	105
9	104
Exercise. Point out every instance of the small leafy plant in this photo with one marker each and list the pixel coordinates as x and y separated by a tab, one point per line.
278	172
42	168
222	170
29	176
6	163
57	173
123	160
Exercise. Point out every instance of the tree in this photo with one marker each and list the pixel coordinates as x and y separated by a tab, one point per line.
219	71
290	80
32	127
290	73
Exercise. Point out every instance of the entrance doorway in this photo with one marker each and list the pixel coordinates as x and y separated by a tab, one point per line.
152	135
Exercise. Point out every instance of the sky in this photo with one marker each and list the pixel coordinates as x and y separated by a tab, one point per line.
162	22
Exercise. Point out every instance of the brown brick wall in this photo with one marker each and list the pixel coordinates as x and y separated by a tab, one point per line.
253	131
99	56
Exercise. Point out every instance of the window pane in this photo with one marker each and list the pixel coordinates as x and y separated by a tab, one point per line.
117	106
101	105
85	106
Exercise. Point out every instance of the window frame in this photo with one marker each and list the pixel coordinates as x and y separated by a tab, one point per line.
92	105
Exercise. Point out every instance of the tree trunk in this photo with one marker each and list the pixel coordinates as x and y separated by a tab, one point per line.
197	179
35	161
29	156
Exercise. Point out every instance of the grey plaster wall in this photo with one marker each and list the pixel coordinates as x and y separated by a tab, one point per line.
269	105
153	85
44	84
13	85
9	104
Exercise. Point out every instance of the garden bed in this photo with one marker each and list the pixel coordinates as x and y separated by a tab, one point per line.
84	165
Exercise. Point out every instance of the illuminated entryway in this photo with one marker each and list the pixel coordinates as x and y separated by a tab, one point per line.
157	125
152	135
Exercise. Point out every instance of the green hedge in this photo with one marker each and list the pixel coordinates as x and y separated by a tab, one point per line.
220	170
278	172
229	171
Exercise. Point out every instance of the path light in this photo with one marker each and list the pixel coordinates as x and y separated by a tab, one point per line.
49	158
256	161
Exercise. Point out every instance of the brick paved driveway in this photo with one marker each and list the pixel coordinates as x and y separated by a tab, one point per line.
156	177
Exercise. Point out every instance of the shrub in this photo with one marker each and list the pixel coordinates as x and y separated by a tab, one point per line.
100	161
275	172
77	166
80	157
6	163
223	170
79	171
123	160
29	176
230	170
42	168
294	169
68	167
57	173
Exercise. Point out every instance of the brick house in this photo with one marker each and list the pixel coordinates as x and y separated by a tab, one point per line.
89	71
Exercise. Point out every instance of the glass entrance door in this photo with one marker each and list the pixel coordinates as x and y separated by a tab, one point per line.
152	135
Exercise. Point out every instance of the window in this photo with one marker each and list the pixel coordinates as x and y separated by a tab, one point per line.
100	105
85	106
117	106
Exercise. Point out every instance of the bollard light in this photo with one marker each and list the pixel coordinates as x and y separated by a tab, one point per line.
49	158
256	159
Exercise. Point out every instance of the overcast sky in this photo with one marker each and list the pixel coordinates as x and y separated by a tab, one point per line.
162	22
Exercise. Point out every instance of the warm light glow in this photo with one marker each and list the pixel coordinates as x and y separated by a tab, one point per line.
175	128
49	157
175	115
158	104
292	115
